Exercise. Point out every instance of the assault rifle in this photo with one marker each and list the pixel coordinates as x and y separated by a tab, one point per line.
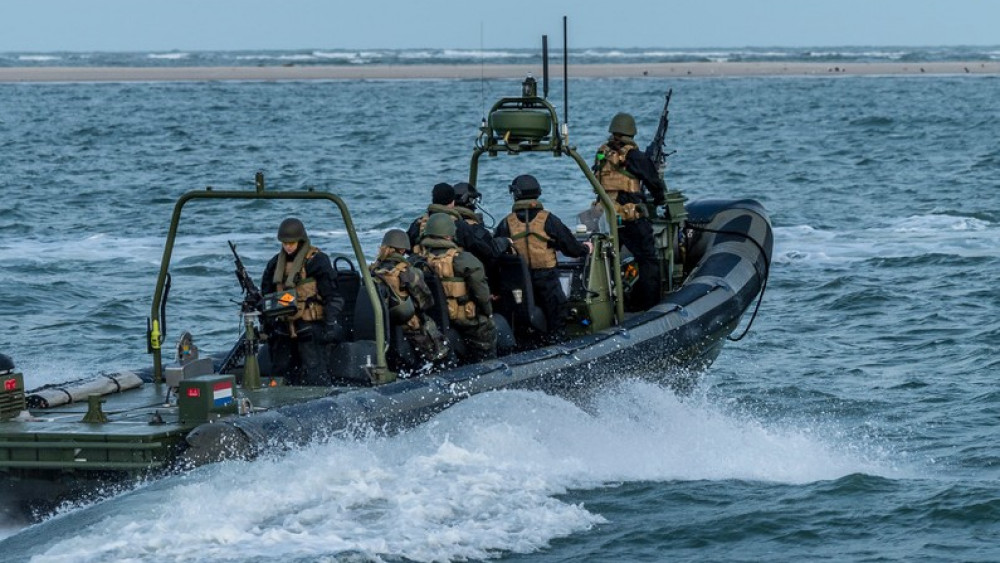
252	298
655	150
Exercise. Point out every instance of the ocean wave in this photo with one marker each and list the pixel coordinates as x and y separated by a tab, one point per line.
494	55
38	58
169	56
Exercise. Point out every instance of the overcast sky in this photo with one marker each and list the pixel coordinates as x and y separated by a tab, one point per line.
160	25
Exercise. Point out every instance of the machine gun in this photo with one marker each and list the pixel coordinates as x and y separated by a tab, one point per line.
252	297
655	150
246	348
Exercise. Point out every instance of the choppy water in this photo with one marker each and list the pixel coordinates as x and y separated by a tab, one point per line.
404	57
857	422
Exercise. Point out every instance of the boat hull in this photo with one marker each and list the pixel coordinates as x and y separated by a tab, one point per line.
683	334
58	456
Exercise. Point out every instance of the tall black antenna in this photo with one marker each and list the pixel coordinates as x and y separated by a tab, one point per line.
482	72
565	76
545	66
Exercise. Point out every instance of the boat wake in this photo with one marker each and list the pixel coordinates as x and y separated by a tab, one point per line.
487	476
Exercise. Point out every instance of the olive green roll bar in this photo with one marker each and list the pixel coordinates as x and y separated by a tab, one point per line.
156	338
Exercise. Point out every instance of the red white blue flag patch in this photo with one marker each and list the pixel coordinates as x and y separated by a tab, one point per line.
222	393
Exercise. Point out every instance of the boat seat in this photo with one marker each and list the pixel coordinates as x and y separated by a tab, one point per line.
364	316
517	298
348	283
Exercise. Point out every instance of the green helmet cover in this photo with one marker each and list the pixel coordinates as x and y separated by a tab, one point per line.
396	238
622	124
291	230
440	225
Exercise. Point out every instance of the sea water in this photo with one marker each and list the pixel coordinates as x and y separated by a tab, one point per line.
856	421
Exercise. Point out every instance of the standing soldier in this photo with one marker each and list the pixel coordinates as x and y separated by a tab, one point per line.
297	342
408	297
624	170
537	235
464	283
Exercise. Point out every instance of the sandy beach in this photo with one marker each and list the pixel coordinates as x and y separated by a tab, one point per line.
492	71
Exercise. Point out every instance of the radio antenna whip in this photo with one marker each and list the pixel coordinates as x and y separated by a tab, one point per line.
545	66
482	72
565	83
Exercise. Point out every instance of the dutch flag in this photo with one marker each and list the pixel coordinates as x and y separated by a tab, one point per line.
222	393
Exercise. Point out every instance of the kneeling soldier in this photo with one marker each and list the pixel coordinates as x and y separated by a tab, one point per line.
464	283
409	297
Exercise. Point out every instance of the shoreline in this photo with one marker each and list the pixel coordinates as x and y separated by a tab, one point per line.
490	71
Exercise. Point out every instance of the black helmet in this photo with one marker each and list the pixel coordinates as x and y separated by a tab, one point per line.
525	186
466	195
291	230
622	124
396	238
440	225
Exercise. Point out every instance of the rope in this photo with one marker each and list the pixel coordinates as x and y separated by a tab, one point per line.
767	273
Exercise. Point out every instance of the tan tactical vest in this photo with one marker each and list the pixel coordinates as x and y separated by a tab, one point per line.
530	240
389	273
615	178
308	303
460	307
612	173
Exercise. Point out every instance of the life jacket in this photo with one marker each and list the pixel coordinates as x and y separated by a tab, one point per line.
610	169
422	221
402	311
308	301
461	308
530	240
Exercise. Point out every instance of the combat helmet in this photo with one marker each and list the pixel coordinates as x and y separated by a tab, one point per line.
622	124
525	186
396	238
292	230
440	225
467	195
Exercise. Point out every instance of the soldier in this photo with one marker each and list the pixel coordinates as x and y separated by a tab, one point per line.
466	236
537	235
408	297
624	170
466	202
464	283
297	341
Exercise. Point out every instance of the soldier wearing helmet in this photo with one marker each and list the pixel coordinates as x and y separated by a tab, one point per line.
470	236
624	171
537	235
467	200
464	282
298	340
408	298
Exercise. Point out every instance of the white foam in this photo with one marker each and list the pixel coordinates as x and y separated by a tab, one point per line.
481	479
897	238
38	58
169	56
